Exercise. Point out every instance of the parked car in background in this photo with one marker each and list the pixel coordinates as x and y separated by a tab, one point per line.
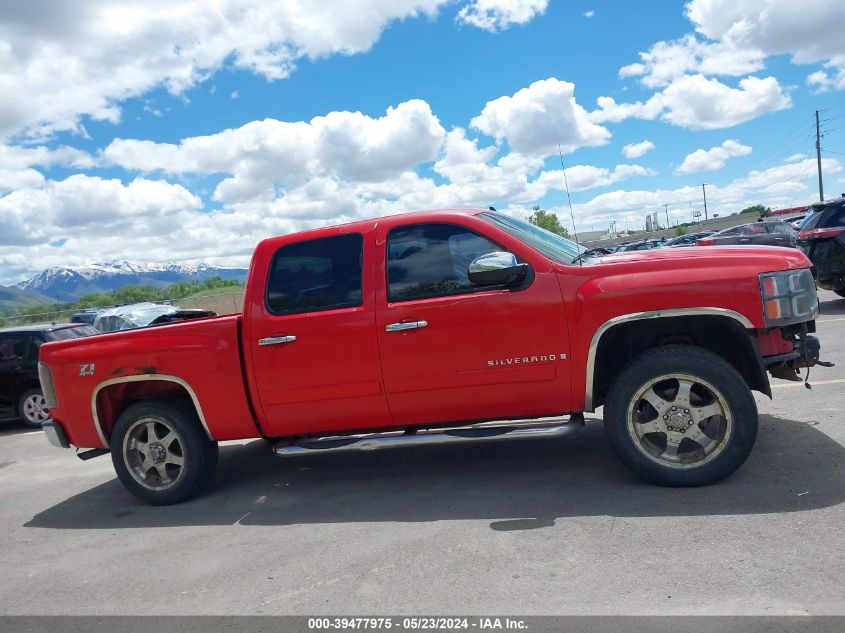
137	315
688	239
85	316
20	392
757	233
822	238
641	245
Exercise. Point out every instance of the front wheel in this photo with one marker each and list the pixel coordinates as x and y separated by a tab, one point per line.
681	416
161	453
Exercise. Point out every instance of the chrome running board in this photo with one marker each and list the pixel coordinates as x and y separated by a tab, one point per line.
376	441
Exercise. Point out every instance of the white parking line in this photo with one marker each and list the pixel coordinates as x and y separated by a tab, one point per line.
812	382
830	320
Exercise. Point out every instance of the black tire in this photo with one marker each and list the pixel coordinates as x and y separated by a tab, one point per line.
687	361
840	292
190	442
32	418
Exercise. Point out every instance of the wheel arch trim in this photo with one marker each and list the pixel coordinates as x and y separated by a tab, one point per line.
141	378
744	321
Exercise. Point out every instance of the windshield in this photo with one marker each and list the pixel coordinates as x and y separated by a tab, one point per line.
553	246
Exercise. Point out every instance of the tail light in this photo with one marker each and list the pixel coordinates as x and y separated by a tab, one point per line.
815	234
704	242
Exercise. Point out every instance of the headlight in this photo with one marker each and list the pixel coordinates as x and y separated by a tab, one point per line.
789	296
47	388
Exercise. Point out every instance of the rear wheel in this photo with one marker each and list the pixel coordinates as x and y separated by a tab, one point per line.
681	416
32	408
161	453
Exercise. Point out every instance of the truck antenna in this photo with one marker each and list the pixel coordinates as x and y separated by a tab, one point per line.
568	197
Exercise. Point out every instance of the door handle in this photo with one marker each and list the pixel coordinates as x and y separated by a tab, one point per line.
406	325
276	340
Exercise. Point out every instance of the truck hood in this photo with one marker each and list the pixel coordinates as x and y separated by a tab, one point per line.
767	258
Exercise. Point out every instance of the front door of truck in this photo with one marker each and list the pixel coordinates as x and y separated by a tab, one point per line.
453	351
312	338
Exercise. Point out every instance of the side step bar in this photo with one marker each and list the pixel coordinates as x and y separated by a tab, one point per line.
375	441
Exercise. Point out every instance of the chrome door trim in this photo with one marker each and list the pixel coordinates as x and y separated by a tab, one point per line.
139	378
405	325
637	316
276	340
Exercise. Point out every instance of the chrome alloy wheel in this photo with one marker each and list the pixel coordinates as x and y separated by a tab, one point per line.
679	421
153	453
35	409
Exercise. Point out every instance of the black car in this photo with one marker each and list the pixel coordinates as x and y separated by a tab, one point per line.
822	238
688	239
20	391
770	233
642	245
85	316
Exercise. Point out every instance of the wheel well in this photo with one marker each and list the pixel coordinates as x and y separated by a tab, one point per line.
720	335
112	400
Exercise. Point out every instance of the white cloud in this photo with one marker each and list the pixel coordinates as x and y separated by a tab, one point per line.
60	61
782	186
589	14
666	61
17	162
635	150
713	158
698	103
583	177
263	154
738	36
538	118
498	15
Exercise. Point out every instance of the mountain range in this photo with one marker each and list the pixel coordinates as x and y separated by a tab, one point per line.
69	283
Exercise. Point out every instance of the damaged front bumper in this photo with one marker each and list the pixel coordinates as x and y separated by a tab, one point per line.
806	353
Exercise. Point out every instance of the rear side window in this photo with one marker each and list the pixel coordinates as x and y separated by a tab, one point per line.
831	217
781	227
432	260
316	275
15	351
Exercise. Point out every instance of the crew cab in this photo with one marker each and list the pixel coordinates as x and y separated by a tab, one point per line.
447	326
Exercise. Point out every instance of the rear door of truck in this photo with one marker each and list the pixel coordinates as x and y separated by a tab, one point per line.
309	334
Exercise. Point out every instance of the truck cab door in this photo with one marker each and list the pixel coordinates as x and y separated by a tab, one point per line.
455	351
311	345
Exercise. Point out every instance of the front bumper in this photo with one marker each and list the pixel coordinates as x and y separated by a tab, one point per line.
55	434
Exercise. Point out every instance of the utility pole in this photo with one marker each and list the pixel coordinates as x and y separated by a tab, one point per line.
704	193
819	158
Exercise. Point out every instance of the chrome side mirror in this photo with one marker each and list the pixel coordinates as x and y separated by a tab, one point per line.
497	268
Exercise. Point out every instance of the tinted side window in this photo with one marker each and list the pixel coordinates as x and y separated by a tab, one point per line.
833	217
431	260
15	351
316	275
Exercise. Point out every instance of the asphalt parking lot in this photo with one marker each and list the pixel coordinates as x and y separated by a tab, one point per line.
530	527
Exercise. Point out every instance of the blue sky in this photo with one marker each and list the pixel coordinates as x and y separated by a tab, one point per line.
185	131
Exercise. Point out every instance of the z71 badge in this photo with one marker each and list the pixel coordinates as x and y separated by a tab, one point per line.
86	370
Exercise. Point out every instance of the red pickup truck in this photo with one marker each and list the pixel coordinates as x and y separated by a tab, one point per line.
447	326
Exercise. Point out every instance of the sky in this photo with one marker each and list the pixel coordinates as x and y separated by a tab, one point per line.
182	130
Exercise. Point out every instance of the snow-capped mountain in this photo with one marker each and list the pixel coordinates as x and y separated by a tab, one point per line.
69	283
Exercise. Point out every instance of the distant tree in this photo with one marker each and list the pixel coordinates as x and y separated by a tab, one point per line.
758	208
679	230
547	220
